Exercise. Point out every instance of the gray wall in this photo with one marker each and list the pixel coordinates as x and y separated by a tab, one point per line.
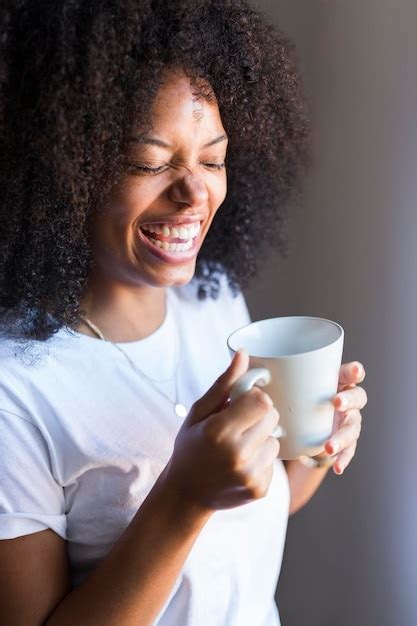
351	554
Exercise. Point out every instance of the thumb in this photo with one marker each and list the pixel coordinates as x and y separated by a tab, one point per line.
215	398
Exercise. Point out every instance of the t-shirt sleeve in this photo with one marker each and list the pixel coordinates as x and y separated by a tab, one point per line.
30	498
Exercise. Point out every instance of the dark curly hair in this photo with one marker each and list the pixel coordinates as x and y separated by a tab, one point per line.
75	76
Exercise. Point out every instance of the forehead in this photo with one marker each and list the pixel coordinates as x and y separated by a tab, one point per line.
177	110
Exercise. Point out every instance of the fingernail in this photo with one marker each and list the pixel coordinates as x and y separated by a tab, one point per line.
358	370
240	351
343	402
334	447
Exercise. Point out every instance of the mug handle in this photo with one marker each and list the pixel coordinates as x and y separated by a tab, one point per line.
243	384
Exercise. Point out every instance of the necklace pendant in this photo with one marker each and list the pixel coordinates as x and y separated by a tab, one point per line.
180	410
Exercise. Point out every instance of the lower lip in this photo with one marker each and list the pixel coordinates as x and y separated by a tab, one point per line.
171	256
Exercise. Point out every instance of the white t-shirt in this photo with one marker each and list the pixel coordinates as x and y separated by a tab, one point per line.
83	439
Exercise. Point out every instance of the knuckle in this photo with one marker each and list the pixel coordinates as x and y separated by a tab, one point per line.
257	487
351	419
355	422
212	431
277	416
244	476
195	407
222	378
242	456
255	393
351	453
223	382
365	397
239	466
260	398
272	418
254	492
274	445
258	490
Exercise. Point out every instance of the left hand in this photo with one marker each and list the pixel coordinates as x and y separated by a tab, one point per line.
347	417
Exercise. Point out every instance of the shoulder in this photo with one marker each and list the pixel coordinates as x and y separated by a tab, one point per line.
26	366
23	354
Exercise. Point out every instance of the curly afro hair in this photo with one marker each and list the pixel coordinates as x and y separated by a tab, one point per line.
75	76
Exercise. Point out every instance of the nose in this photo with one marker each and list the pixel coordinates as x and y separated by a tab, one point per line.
188	189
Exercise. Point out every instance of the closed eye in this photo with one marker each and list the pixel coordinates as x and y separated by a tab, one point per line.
148	170
215	166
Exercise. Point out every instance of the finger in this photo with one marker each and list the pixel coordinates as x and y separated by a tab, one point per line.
353	372
349	432
259	432
257	486
344	458
355	398
343	386
263	457
245	411
215	398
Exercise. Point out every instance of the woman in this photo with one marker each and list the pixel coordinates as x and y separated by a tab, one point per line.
132	491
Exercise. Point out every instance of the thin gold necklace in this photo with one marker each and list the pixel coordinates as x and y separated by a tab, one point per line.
179	408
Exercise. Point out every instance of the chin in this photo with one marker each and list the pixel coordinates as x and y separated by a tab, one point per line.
170	277
183	278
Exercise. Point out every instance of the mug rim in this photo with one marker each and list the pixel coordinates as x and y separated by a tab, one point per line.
288	356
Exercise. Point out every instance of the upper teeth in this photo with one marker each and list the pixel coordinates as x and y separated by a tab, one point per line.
182	232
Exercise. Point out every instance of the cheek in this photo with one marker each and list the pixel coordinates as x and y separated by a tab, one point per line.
129	200
218	193
113	224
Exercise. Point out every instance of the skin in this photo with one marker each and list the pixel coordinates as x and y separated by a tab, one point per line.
223	454
126	292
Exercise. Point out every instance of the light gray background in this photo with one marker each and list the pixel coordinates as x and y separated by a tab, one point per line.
351	553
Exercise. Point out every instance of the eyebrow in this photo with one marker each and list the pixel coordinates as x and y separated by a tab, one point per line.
154	141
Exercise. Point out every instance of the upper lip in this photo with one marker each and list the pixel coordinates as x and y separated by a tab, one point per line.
175	220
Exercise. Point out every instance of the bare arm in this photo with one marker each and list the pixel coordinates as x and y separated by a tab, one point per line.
33	577
128	588
304	482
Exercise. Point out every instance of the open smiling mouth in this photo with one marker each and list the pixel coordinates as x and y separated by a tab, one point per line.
171	243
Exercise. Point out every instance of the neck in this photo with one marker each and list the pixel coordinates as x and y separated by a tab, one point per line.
123	313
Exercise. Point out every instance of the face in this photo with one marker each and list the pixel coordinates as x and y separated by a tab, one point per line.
159	213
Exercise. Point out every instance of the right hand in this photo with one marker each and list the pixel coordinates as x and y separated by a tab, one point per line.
223	453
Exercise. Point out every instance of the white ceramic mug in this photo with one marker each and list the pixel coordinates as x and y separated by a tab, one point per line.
297	360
